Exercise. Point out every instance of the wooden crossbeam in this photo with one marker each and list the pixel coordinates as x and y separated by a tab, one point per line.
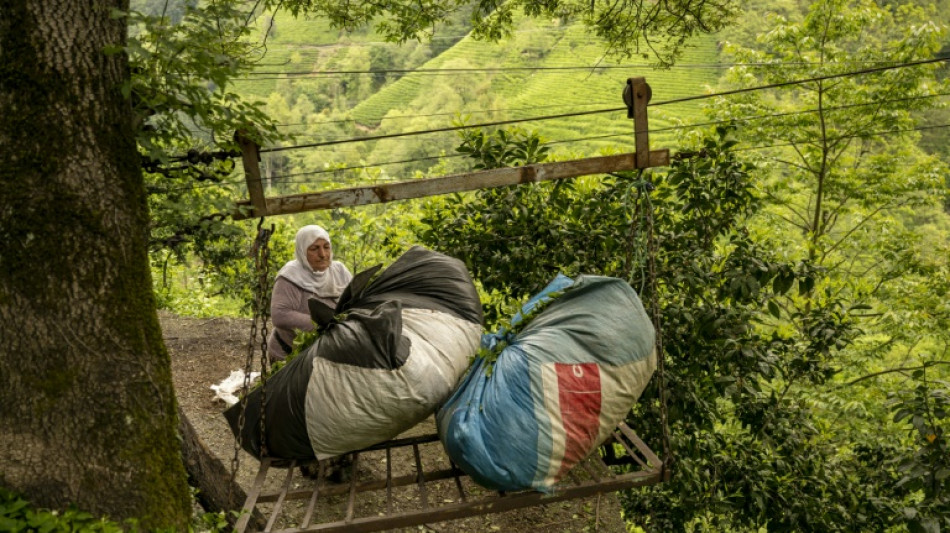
390	192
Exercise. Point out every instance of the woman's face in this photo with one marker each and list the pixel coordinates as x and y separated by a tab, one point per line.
319	254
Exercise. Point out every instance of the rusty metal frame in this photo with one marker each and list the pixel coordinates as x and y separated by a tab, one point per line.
599	473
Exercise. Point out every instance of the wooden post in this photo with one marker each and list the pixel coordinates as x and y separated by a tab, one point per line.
637	95
251	157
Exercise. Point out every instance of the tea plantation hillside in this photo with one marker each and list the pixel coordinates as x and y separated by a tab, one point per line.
326	85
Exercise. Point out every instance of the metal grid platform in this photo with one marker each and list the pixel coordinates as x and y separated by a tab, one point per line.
393	472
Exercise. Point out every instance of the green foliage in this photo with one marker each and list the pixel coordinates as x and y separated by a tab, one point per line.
183	59
845	155
737	436
927	470
739	433
181	73
513	148
302	341
632	27
517	94
514	238
16	514
831	208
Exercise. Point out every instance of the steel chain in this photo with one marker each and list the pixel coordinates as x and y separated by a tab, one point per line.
263	283
260	243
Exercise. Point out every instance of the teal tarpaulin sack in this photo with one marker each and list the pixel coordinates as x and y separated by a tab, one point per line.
557	389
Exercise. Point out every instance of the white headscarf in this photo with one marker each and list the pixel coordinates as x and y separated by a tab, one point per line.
328	283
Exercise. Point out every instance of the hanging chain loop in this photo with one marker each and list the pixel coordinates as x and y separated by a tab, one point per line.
260	252
263	314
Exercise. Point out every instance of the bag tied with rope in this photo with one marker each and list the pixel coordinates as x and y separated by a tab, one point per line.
392	350
546	392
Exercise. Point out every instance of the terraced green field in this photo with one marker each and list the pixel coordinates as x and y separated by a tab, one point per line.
305	45
430	100
523	94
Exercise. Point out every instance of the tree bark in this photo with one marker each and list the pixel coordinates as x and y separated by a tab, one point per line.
88	412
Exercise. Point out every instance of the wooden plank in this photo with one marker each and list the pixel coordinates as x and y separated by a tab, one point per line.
458	482
641	130
251	157
308	515
590	471
484	179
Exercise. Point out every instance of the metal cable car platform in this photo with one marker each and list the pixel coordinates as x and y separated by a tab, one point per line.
392	474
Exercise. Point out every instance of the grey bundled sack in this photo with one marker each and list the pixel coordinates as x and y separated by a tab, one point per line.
391	352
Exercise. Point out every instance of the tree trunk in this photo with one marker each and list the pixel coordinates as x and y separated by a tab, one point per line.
217	490
88	412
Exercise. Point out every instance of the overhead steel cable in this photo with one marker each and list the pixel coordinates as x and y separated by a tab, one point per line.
600	111
413	160
843	137
421	115
629	133
657	130
788	113
448	70
807	80
595	137
610	110
439	130
456	70
742	149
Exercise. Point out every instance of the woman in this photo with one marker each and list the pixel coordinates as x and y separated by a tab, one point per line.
311	274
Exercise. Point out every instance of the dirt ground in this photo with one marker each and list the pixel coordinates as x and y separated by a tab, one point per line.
204	351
